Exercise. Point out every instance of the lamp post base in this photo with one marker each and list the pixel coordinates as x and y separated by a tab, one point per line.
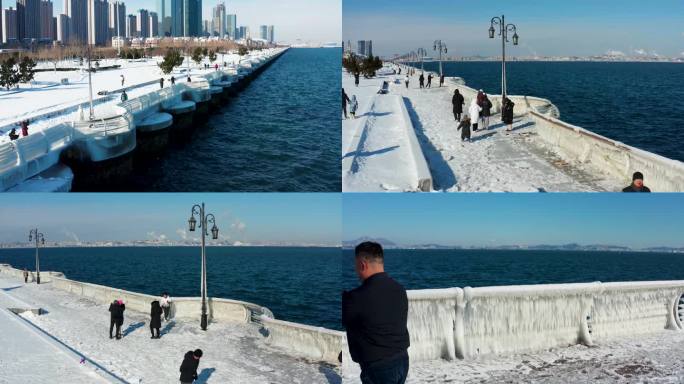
203	322
38	278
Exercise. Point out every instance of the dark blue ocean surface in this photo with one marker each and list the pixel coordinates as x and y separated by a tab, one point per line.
421	269
639	104
297	284
280	134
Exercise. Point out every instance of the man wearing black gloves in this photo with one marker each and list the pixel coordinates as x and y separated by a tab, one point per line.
188	369
374	316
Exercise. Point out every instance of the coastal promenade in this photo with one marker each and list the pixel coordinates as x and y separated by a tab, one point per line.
243	343
541	154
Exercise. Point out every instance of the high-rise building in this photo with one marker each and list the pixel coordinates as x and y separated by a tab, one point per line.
1	21
164	15
192	18
28	19
177	18
46	20
143	23
63	28
369	48
263	32
9	25
244	32
219	20
117	19
206	28
98	24
364	47
131	26
231	25
154	24
77	11
271	34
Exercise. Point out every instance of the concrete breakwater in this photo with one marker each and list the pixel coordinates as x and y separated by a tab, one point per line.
97	153
583	147
299	340
466	323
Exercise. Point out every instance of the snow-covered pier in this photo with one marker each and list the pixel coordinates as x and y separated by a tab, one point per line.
483	332
244	343
542	153
64	146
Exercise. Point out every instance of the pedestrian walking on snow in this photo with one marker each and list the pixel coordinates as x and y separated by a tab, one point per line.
486	112
155	318
173	80
116	310
407	81
353	106
429	83
480	97
345	100
188	369
356	79
13	135
441	81
161	82
24	128
458	102
25	275
507	113
123	80
465	127
124	96
474	112
421	80
165	303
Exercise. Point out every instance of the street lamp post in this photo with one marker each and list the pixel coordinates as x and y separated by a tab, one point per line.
204	220
38	237
442	48
503	32
90	86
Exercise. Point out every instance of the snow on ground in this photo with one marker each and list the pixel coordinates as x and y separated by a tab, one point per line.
233	353
655	358
382	148
48	94
492	161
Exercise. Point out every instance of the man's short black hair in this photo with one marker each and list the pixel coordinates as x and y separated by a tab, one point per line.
197	353
370	251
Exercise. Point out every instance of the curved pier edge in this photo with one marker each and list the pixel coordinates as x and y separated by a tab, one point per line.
298	340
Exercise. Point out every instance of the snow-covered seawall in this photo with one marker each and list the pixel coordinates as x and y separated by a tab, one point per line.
472	322
300	340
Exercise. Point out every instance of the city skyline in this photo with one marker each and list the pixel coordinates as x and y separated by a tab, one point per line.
288	19
486	220
241	218
578	28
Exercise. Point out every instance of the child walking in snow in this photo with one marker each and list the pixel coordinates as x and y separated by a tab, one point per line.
353	105
465	125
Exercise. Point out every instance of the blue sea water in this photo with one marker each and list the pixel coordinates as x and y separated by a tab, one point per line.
297	284
280	134
422	269
639	104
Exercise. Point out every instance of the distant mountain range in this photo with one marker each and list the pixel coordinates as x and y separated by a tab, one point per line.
388	244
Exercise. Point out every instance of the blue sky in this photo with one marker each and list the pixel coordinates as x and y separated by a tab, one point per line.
546	27
250	217
309	20
508	219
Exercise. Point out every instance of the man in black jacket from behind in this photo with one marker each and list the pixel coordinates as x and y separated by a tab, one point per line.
188	369
374	316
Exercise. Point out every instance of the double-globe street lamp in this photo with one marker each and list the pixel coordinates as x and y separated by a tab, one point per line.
38	237
442	48
204	220
503	32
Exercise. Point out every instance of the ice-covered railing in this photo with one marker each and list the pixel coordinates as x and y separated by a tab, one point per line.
472	322
616	158
30	155
121	122
149	103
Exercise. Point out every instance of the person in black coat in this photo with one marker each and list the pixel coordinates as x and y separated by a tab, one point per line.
421	80
188	369
116	310
507	113
375	316
486	112
345	100
429	84
465	127
458	102
441	80
637	184
155	318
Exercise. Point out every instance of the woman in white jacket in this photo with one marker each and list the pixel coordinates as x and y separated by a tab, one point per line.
474	112
165	303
